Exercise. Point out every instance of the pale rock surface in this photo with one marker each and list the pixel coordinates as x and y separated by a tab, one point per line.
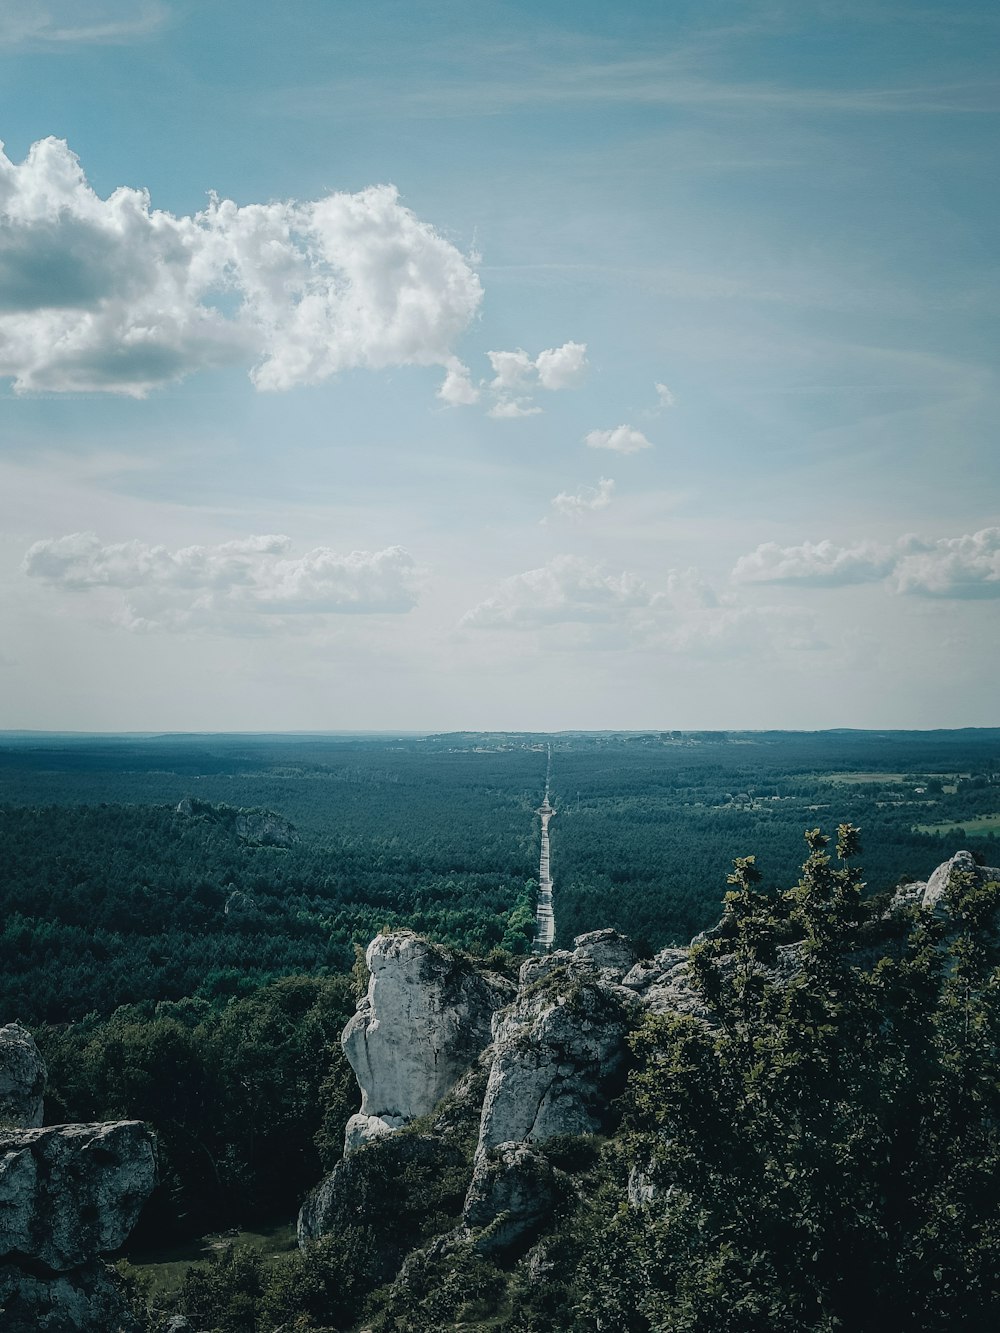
71	1192
88	1300
512	1195
932	894
421	1026
607	950
22	1079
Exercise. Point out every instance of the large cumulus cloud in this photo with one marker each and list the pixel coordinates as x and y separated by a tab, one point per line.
112	294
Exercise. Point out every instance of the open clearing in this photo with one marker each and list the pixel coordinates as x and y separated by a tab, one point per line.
974	824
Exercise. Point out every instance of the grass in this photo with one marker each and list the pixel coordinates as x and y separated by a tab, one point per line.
161	1272
973	826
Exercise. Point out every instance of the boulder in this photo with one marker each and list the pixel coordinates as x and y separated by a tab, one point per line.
931	895
22	1079
512	1196
89	1300
607	950
424	1021
71	1192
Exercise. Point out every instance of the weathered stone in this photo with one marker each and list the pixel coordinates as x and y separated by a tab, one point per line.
22	1079
607	950
932	895
421	1026
71	1192
512	1196
88	1300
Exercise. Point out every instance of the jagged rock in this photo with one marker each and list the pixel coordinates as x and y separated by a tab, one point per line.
261	826
512	1196
22	1078
607	950
640	1190
423	1023
71	1192
88	1300
650	971
931	895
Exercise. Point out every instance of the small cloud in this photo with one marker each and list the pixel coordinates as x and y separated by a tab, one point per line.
665	397
818	565
224	586
457	388
567	589
586	500
562	367
621	440
509	408
47	23
964	568
516	376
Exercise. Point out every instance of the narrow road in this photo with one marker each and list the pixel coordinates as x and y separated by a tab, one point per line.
545	921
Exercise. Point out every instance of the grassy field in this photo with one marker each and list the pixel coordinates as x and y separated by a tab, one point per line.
973	826
161	1272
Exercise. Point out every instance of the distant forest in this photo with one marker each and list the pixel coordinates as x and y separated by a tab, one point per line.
180	914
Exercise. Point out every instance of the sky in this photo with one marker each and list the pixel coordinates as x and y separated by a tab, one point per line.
498	366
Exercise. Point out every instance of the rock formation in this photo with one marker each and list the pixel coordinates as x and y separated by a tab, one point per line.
266	827
931	894
68	1194
22	1079
523	1067
425	1019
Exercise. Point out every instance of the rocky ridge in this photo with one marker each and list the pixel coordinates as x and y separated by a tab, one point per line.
449	1059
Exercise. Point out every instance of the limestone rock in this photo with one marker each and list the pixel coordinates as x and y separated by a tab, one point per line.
932	894
22	1079
512	1196
422	1025
87	1301
607	950
71	1192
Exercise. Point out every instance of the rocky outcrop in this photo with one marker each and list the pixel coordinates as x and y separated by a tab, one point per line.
424	1021
265	827
22	1079
69	1194
932	893
559	1057
512	1196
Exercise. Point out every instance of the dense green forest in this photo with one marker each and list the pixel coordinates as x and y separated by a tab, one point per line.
180	914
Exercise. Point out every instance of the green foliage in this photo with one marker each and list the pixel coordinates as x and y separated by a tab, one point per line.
245	1096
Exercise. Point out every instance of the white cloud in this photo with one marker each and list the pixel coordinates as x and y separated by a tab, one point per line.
567	589
511	370
664	396
820	564
962	567
621	611
959	567
509	408
621	440
586	500
562	367
110	294
516	376
457	388
227	585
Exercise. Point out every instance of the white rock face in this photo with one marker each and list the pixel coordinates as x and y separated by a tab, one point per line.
71	1192
931	895
423	1023
607	950
22	1078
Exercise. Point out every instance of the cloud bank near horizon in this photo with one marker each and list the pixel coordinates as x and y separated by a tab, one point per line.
240	586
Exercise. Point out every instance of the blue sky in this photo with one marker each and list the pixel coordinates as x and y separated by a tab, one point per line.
732	460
